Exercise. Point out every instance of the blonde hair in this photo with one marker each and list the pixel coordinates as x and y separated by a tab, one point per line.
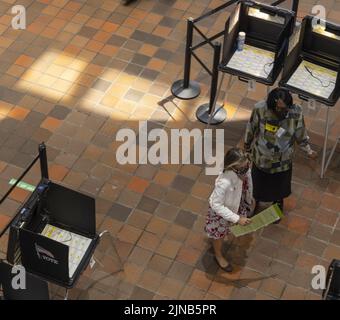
233	157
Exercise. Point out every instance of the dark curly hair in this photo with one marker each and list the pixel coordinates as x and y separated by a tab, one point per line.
279	94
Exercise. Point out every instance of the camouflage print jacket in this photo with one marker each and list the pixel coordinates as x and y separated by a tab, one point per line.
271	141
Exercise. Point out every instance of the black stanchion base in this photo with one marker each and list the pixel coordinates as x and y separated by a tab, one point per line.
180	92
202	114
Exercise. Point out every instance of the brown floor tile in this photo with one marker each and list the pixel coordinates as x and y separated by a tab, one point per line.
141	294
174	197
157	226
155	191
273	287
220	290
332	252
120	212
200	279
170	288
147	204
160	264
164	178
168	248
138	185
129	234
129	198
243	294
180	271
139	219
294	293
148	241
140	256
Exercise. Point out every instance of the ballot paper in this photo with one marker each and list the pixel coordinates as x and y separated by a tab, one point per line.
261	220
253	61
303	80
78	244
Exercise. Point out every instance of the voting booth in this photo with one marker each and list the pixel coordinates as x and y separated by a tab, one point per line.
53	235
313	62
332	290
267	30
312	68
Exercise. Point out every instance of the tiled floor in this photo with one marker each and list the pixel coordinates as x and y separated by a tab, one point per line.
85	68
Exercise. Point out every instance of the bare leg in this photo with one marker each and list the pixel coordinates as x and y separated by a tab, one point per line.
217	245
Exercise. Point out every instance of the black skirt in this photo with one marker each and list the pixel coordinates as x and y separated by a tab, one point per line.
270	187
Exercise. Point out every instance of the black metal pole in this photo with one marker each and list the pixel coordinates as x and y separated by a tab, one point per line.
43	161
207	113
187	61
214	78
12	188
295	6
186	89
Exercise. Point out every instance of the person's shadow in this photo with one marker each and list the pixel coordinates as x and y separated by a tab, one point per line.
235	251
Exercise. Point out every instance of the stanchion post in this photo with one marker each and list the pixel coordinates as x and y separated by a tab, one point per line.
186	89
187	61
43	161
214	78
209	112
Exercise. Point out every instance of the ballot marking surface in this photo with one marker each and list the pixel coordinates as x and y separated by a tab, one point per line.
321	83
77	244
254	61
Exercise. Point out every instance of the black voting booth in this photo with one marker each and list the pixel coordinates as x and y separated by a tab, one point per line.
315	46
58	206
332	291
267	28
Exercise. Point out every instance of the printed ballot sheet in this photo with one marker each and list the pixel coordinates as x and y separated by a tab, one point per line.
261	220
314	79
77	244
252	60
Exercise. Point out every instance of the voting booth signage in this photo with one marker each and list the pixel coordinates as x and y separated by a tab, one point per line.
267	30
313	63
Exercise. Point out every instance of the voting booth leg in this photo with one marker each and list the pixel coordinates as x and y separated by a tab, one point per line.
186	89
325	162
210	113
324	151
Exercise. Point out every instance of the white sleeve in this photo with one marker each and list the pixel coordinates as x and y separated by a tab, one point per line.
217	199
